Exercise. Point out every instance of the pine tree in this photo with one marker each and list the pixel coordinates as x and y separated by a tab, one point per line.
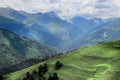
34	72
58	65
55	77
27	75
40	71
24	78
31	77
1	77
45	68
50	77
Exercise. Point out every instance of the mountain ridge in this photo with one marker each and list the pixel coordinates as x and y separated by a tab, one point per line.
62	31
17	48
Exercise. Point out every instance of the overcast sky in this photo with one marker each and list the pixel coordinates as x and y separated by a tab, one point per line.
68	8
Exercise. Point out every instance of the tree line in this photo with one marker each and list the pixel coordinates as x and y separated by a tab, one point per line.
42	70
40	73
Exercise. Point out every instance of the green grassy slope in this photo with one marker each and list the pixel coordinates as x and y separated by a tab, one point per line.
98	62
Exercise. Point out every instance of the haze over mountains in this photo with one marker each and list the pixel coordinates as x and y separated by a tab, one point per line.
47	26
105	32
42	27
15	48
40	35
49	29
86	24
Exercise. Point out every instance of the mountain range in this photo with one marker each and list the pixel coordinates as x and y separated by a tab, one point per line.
86	24
15	48
47	26
103	33
50	30
41	35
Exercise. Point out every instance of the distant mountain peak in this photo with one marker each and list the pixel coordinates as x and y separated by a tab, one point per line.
51	13
39	13
78	17
6	8
97	20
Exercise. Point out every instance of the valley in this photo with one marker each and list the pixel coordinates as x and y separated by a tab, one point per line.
45	46
15	48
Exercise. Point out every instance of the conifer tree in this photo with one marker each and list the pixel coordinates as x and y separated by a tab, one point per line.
24	78
58	65
50	77
55	77
1	77
27	75
45	68
40	71
34	72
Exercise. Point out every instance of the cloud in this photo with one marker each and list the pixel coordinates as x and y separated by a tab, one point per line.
108	8
68	8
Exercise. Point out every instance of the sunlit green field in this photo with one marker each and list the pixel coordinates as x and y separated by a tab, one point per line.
97	62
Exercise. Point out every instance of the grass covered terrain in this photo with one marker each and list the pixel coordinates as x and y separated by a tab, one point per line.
97	62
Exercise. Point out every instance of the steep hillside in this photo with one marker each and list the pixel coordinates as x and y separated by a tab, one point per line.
86	24
46	26
15	48
98	62
12	14
9	56
114	23
106	32
37	35
16	27
49	29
